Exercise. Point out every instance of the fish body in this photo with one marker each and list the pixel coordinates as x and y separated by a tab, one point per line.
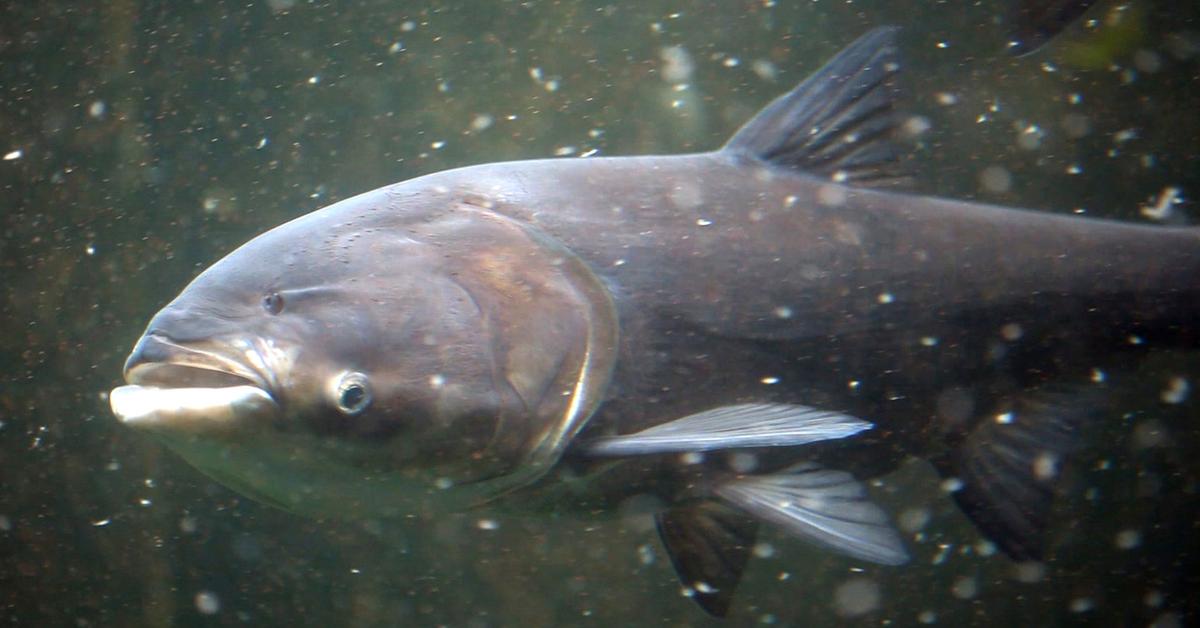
742	334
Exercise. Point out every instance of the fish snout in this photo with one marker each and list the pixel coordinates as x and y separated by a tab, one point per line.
150	349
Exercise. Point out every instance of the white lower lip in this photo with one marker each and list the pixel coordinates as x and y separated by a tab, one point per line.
189	409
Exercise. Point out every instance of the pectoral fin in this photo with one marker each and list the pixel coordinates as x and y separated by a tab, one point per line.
829	508
709	544
733	427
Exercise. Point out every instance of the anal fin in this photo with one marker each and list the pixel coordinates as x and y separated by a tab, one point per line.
709	544
1007	465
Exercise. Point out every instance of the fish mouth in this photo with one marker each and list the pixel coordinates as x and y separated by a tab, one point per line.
194	387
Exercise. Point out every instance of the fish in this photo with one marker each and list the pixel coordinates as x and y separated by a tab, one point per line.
1035	22
744	336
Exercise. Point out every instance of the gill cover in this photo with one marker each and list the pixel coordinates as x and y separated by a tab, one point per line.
553	329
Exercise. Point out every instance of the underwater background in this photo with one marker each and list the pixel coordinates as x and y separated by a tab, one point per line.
140	141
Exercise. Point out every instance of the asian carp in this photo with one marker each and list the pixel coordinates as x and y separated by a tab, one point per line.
743	334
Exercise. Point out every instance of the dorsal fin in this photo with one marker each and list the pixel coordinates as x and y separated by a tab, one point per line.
839	122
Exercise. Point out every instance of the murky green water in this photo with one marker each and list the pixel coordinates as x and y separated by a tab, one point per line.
143	140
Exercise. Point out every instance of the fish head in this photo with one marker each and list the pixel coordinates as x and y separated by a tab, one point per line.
440	348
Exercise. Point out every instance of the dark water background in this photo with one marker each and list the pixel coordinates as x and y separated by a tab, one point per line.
143	140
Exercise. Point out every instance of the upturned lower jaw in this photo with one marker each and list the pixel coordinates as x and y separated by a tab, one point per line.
192	410
186	389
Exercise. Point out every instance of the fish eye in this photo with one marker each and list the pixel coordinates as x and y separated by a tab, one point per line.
273	303
352	394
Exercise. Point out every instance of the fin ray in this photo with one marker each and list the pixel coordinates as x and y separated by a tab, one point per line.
839	122
732	427
1007	470
827	507
708	544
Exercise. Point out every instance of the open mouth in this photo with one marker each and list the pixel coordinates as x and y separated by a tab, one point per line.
188	388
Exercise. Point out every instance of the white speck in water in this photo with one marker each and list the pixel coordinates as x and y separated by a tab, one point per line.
396	48
481	122
946	99
885	297
1029	137
731	62
563	151
916	125
943	45
1134	340
443	483
995	179
1030	572
927	617
408	26
840	176
985	548
965	587
856	596
853	384
704	587
1045	466
951	485
686	195
783	576
13	155
929	341
942	554
1011	332
691	457
703	222
262	143
97	109
1128	539
1004	418
437	380
764	69
101	523
762	549
619	262
770	379
551	85
1098	376
487	524
313	80
437	144
1074	169
677	65
207	603
646	554
783	312
1082	604
1159	207
1176	391
90	249
912	520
